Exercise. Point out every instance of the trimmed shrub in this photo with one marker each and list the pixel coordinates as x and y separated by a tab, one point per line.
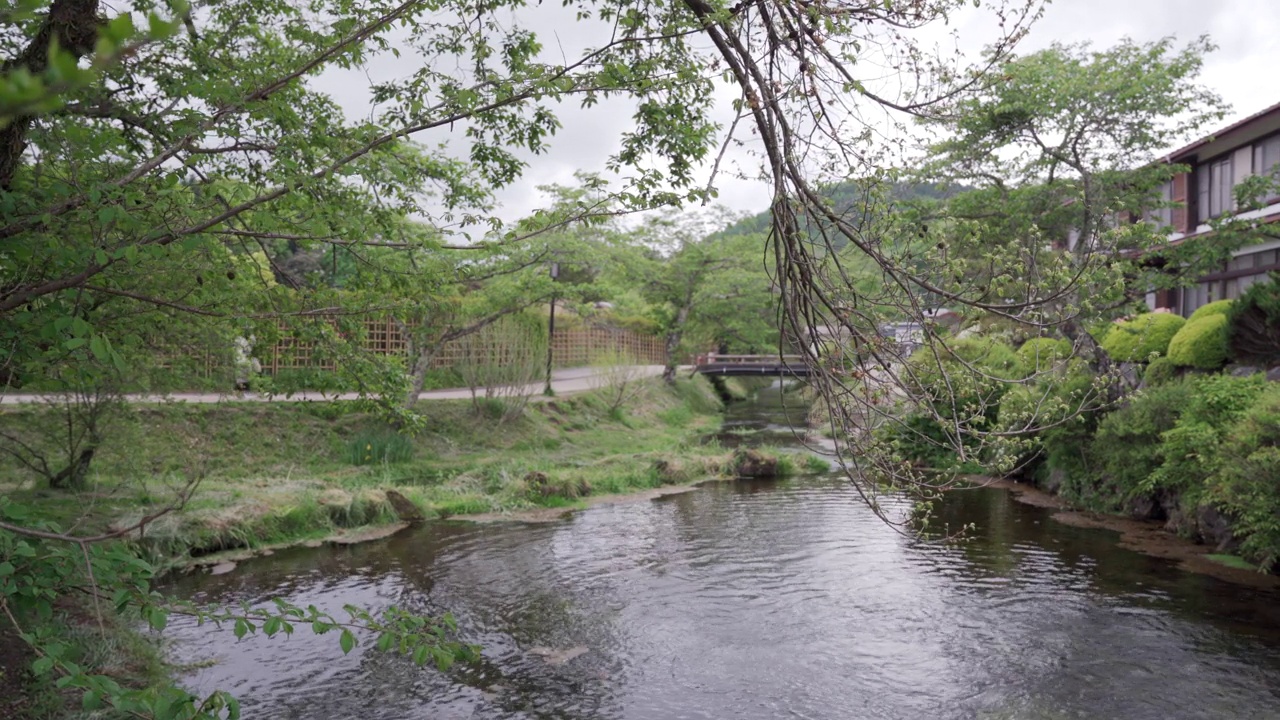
1039	354
1137	339
1217	307
1160	371
1253	330
1201	343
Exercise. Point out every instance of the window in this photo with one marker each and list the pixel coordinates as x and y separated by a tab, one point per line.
1214	183
1266	161
1161	217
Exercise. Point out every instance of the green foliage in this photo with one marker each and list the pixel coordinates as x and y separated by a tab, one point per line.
1217	307
1009	141
1253	333
1126	447
38	576
958	387
1160	371
1138	339
1246	483
1201	343
379	447
1039	354
1189	451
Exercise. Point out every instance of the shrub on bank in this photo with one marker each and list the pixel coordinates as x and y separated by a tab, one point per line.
1201	343
1137	339
1246	487
958	388
1126	446
1159	371
1040	354
1189	452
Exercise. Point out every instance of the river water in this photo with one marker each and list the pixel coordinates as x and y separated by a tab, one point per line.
757	600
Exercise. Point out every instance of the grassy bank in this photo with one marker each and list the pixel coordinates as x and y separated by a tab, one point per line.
280	472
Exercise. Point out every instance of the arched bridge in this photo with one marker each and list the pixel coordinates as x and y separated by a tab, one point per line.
751	365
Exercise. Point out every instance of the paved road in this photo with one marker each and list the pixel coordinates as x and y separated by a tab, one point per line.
568	381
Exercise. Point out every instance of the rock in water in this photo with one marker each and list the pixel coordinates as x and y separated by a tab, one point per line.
559	657
753	464
222	568
405	509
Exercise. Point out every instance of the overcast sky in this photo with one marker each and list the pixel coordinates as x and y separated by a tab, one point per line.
1247	33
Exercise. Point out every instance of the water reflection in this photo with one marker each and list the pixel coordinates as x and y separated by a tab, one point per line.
761	601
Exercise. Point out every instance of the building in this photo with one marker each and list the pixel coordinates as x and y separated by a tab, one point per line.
1218	164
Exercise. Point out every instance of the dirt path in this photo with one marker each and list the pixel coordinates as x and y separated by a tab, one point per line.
567	381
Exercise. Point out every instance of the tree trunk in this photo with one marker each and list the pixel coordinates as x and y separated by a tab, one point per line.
1099	361
74	475
422	355
674	334
73	24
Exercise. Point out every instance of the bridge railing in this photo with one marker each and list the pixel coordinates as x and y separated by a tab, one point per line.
718	359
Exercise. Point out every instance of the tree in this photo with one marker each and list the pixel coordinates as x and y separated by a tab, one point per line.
139	168
704	290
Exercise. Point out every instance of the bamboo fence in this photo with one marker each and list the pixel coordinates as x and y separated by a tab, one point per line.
570	347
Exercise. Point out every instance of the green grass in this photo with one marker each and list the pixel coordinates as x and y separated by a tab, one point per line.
1233	561
815	464
272	473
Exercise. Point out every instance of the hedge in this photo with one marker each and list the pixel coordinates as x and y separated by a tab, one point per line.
1201	343
1136	339
1217	307
1160	371
1040	353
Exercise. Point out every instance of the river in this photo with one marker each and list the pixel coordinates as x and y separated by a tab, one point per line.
757	600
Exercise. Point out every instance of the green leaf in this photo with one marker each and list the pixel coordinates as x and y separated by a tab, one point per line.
98	346
241	629
347	642
42	665
158	618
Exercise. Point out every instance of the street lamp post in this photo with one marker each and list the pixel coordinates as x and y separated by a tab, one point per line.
551	330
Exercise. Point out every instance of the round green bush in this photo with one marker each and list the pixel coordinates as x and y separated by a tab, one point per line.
1039	354
1136	339
1160	371
1217	307
1201	344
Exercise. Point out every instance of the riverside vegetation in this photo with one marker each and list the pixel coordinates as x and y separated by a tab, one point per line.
274	474
1192	441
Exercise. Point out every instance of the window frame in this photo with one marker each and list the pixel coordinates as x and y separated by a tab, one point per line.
1209	177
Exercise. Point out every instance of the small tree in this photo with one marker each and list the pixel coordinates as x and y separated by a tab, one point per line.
617	377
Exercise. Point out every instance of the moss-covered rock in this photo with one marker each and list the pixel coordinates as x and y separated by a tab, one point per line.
749	463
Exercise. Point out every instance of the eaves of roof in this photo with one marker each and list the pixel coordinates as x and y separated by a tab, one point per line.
1177	154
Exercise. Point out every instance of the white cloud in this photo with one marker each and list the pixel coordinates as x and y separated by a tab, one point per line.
1247	32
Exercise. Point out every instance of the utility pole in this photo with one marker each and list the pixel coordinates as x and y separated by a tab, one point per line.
551	330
